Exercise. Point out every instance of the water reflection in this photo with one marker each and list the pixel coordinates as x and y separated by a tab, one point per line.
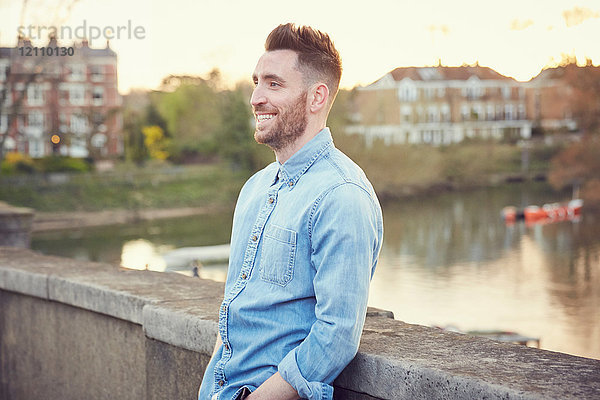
446	260
142	254
450	260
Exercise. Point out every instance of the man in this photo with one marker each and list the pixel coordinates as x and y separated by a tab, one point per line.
306	235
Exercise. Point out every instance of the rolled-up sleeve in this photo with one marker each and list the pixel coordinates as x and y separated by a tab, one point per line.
345	230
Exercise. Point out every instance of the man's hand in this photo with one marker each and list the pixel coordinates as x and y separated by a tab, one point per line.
274	388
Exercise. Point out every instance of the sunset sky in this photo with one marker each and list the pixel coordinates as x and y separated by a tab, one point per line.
515	37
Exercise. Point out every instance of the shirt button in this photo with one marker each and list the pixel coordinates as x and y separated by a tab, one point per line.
291	183
244	276
221	383
226	347
271	200
254	238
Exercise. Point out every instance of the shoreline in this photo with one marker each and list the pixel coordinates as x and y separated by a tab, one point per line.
62	220
44	221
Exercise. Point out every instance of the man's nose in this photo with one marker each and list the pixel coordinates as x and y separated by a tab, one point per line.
258	96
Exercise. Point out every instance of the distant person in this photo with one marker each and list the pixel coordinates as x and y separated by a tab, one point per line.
307	231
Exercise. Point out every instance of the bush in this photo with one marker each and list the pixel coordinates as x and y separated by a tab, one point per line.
15	163
62	164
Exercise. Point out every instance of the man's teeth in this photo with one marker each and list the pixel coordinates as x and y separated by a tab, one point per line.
264	117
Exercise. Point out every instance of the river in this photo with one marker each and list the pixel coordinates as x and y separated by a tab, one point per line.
448	260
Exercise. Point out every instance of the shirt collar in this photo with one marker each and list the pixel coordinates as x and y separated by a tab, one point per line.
300	161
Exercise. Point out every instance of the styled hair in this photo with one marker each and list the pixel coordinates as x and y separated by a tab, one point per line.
317	56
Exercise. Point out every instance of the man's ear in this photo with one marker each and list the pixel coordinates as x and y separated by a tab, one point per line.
319	97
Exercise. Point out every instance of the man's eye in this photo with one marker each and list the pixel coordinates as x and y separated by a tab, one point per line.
274	84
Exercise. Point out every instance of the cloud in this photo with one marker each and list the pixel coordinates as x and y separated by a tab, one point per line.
577	15
517	25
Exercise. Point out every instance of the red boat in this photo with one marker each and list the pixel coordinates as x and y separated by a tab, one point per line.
553	212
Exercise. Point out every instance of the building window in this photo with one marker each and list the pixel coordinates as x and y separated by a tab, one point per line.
36	148
63	97
407	92
509	112
427	134
77	72
35	94
77	95
441	92
491	114
477	112
35	119
10	144
464	112
9	96
97	73
3	71
429	92
3	123
432	114
78	123
63	124
522	111
406	112
98	96
506	92
445	113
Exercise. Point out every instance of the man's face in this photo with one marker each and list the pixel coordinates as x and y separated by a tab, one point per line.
279	100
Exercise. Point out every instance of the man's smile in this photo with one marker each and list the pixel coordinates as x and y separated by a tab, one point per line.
262	118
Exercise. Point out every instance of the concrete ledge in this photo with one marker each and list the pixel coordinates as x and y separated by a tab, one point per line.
395	359
15	225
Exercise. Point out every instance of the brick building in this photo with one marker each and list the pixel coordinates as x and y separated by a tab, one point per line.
441	105
64	104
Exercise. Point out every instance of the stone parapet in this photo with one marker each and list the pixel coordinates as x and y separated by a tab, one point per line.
169	324
15	225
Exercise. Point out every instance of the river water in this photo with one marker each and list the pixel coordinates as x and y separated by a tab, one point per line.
448	260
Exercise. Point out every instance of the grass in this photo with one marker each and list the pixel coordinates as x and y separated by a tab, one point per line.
408	169
133	188
396	170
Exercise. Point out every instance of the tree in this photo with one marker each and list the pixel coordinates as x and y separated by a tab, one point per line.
235	137
192	115
156	142
579	164
25	73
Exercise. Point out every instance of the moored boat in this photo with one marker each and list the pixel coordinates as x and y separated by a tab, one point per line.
551	212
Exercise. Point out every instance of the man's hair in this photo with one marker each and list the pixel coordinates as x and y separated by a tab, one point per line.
317	56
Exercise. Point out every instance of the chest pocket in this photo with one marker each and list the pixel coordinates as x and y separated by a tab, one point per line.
278	254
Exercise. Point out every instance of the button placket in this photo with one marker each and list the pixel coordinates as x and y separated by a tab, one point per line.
247	265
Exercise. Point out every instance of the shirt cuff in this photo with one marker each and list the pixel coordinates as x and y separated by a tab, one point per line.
288	368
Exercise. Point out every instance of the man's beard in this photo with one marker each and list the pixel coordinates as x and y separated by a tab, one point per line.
291	124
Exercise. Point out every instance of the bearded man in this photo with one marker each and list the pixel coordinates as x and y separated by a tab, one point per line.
307	231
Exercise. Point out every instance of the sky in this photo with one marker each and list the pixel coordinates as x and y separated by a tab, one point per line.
515	37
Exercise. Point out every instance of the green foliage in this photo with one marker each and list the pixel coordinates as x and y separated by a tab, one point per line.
156	142
131	187
235	136
17	163
192	115
135	149
62	164
579	164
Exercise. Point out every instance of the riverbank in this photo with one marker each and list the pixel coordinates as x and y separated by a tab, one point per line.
60	220
50	221
130	193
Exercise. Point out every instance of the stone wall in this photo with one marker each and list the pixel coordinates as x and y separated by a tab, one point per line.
79	330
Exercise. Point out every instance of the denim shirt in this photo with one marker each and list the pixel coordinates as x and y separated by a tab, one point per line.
305	242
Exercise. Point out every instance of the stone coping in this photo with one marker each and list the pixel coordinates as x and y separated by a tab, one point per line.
395	359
